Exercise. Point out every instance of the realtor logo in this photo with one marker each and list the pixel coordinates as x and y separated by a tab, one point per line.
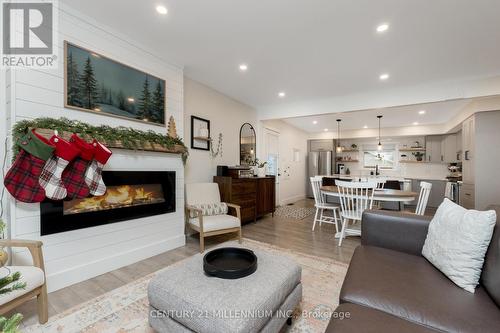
28	34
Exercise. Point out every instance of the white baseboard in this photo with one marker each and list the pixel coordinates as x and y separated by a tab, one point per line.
292	199
100	266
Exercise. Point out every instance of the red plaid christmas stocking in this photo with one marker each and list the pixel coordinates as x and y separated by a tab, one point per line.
73	176
93	176
22	178
50	178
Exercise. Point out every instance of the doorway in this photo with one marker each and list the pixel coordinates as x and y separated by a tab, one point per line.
271	155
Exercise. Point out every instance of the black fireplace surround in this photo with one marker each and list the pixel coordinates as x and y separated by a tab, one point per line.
55	217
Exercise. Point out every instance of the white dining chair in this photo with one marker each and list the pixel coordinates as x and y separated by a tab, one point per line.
355	198
425	191
322	206
380	186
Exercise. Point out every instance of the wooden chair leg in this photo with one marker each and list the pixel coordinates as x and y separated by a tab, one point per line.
202	243
43	306
239	235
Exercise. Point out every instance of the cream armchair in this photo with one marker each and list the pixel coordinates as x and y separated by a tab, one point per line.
211	225
34	276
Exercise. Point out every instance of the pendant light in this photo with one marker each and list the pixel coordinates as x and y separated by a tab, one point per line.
379	146
339	148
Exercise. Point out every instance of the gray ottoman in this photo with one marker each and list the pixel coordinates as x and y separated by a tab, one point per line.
183	299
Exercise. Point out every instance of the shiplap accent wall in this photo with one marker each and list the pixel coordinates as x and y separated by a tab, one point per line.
77	255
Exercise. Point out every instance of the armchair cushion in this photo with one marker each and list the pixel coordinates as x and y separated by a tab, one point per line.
216	222
216	208
33	276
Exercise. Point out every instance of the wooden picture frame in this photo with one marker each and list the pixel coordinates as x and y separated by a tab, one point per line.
108	98
200	133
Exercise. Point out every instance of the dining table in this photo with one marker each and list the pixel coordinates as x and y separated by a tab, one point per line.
382	194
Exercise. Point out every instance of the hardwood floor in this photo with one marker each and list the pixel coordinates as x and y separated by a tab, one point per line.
283	232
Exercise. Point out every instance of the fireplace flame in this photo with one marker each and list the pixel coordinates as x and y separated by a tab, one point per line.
117	197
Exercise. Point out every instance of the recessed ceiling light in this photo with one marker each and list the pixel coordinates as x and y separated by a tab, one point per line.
415	123
366	126
382	27
162	10
421	112
281	94
326	130
384	76
315	122
243	67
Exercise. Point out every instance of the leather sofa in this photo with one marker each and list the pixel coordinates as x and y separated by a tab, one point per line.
390	287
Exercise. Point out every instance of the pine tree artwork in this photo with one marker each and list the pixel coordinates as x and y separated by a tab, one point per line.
158	102
98	84
89	86
145	104
73	93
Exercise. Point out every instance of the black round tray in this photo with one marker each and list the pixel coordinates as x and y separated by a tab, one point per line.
230	263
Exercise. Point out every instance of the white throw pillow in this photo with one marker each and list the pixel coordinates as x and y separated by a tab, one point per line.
457	242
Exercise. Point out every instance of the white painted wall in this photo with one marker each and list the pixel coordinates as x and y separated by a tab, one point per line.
74	256
293	173
226	116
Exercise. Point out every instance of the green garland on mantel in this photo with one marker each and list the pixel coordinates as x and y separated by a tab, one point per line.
129	138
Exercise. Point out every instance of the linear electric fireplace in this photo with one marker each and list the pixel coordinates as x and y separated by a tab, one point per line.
129	195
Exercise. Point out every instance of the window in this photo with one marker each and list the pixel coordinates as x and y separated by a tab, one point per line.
384	159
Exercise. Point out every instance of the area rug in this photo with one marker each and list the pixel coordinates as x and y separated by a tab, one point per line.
125	309
291	212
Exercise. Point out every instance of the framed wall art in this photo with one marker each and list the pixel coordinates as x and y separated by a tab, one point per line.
200	133
95	83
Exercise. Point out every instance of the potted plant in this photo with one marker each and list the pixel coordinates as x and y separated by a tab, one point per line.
419	156
354	146
259	167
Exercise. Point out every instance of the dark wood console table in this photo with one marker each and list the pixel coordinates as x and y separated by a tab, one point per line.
256	195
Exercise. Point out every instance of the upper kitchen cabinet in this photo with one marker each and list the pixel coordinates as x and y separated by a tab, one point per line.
449	149
459	146
468	137
433	153
321	145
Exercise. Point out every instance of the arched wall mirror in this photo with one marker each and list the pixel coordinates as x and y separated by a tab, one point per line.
247	144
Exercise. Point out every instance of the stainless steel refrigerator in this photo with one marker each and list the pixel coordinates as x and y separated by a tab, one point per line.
319	163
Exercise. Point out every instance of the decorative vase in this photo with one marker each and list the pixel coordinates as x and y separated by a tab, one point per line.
261	172
4	257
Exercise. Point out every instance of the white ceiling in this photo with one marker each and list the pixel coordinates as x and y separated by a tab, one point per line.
312	49
435	113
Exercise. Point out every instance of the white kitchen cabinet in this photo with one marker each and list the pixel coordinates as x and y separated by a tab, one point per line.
459	146
321	145
449	148
433	152
468	138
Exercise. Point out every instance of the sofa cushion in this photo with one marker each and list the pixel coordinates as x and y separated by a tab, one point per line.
490	277
363	319
457	242
216	222
409	287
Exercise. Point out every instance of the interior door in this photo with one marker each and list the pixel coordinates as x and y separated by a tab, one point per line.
271	149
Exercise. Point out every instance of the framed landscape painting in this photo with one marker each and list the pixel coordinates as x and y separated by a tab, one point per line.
98	84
